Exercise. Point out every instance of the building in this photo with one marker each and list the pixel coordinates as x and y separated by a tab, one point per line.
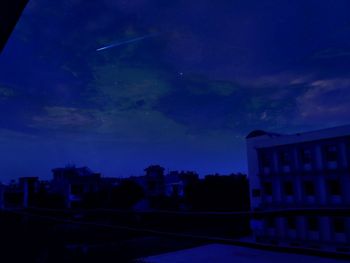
224	253
29	186
19	194
154	181
308	171
2	195
176	182
75	184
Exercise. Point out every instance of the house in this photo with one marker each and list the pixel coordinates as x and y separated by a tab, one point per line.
154	181
29	186
176	182
74	184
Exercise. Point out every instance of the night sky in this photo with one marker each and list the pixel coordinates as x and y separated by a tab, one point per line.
184	98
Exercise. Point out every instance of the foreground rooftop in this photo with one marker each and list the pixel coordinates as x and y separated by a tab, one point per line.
230	254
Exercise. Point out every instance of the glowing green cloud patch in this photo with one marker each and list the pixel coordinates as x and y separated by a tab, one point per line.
198	84
128	87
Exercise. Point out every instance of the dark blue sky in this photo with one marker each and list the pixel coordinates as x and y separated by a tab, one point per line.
184	98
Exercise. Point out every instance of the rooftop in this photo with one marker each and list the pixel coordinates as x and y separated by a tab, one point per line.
264	138
229	254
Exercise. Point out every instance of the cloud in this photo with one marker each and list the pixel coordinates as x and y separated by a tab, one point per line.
331	53
8	135
66	118
126	87
6	92
112	125
205	105
282	79
326	101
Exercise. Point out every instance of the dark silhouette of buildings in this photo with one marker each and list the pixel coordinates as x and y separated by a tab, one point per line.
29	186
75	184
79	187
219	193
155	181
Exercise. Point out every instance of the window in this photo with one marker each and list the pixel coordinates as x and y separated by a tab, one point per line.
175	190
309	188
264	160
306	156
268	188
152	185
77	189
270	222
288	188
334	187
339	225
291	223
256	192
284	158
313	224
331	153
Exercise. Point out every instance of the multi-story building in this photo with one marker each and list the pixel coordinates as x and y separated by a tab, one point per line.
308	171
74	184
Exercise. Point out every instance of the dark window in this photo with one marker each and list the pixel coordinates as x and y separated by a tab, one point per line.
176	190
268	188
334	187
270	222
309	188
306	156
331	153
312	224
152	185
76	205
291	223
288	188
284	158
264	160
256	192
77	189
339	225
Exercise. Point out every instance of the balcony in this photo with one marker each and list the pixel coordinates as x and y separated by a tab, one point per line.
307	167
336	199
313	235
286	169
73	197
332	165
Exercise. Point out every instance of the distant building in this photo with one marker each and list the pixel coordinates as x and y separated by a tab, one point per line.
74	183
29	186
154	181
304	170
2	196
19	194
176	182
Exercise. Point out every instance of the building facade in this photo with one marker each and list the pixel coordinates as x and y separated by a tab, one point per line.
301	171
74	184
